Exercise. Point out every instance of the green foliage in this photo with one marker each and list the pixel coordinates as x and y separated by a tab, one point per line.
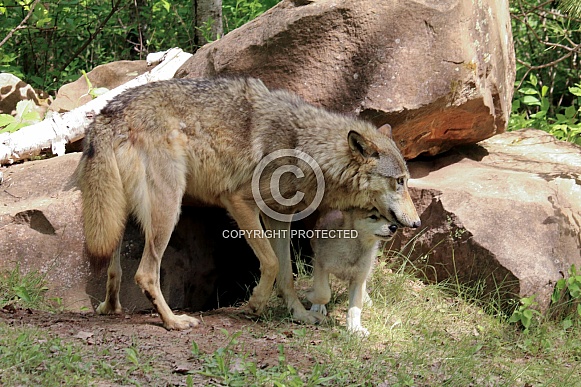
547	91
531	108
30	358
566	299
565	307
525	313
238	12
61	38
571	7
23	290
25	115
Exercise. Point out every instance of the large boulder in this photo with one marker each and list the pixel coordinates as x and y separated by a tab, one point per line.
505	213
41	230
440	72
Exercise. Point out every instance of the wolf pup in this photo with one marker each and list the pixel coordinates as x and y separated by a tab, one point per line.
349	259
153	144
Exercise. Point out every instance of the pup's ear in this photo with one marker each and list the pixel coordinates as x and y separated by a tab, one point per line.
360	146
385	129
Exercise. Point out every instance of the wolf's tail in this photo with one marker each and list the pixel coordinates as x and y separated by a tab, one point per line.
104	200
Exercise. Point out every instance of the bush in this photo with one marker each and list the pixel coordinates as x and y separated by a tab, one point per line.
547	86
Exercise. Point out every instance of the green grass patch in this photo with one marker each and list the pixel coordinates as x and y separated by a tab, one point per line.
421	335
23	290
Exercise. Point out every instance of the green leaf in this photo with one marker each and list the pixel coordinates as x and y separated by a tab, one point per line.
531	100
544	91
516	316
42	22
6	119
533	80
567	323
12	127
561	118
575	91
570	112
22	293
132	355
529	91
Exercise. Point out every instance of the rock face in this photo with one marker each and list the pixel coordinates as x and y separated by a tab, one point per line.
41	230
440	72
506	212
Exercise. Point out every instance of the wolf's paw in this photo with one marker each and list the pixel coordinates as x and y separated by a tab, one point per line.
319	308
180	322
359	331
106	308
308	317
256	304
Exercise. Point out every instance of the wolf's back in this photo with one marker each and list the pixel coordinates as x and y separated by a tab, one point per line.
104	200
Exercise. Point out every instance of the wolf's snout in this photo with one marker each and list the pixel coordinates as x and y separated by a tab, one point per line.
416	224
393	227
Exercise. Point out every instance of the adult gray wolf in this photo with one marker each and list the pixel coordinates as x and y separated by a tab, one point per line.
204	138
347	258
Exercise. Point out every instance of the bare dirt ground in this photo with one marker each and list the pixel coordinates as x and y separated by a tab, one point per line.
169	353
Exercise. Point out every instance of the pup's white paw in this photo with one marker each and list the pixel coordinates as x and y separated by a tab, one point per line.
359	330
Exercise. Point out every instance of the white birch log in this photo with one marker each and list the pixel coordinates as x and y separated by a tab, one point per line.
62	128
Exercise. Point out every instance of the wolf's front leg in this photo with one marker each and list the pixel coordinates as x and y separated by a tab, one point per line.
356	290
285	283
247	216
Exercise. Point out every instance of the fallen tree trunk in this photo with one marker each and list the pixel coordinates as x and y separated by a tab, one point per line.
61	128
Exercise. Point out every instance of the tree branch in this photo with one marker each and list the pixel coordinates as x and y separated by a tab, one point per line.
21	25
115	8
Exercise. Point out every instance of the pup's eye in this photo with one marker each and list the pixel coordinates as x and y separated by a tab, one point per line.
400	181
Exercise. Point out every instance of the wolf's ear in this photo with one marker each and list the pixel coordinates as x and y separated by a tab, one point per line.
385	129
360	146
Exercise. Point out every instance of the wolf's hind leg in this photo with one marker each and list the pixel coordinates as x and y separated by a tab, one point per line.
157	210
285	283
112	305
147	277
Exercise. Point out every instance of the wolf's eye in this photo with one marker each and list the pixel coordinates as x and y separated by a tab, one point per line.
400	181
373	217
